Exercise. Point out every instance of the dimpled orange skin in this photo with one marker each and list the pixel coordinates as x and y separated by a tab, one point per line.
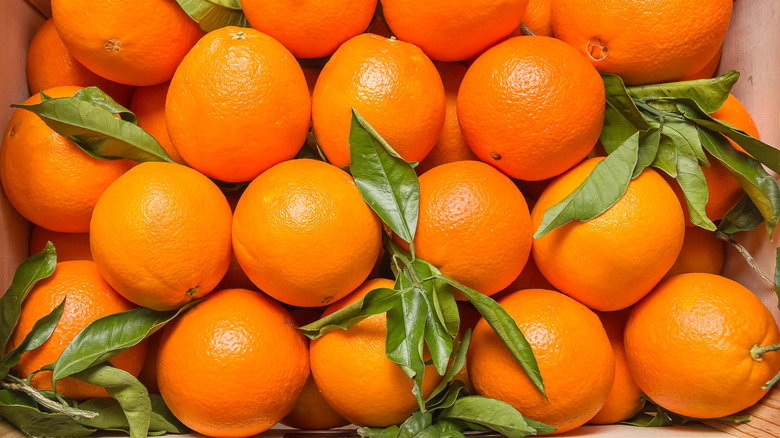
148	105
701	252
161	235
303	234
571	347
392	84
237	105
648	41
47	177
453	31
355	376
88	297
233	365
310	29
473	225
688	345
538	18
136	42
69	246
532	107
610	262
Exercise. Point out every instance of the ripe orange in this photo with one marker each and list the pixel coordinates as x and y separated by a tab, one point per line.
451	146
645	232
304	235
708	70
148	105
160	235
47	177
532	107
692	346
148	374
69	246
734	113
701	252
49	64
573	352
453	31
354	375
392	84
233	365
529	278
88	297
643	41
311	411
473	225
256	90
136	42
625	398
310	29
538	18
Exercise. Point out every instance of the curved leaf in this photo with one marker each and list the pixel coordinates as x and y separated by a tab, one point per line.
744	216
97	97
214	14
693	184
378	300
111	417
494	414
622	119
22	412
709	94
40	332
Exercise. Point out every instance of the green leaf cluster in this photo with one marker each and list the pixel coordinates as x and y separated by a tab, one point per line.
214	14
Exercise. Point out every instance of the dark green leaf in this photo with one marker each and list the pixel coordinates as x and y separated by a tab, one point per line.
375	301
777	275
111	417
744	216
622	119
96	96
445	399
163	418
709	94
415	424
449	429
29	272
40	332
605	185
666	158
386	181
686	136
494	414
22	412
649	143
437	338
644	419
379	432
454	368
767	155
693	184
214	14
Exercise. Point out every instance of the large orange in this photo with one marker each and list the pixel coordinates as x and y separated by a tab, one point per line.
453	31
392	84
701	252
571	347
693	346
354	375
473	225
310	29
49	64
47	177
69	246
643	41
304	235
88	297
160	235
233	365
148	105
708	70
611	261
136	42
532	107
237	105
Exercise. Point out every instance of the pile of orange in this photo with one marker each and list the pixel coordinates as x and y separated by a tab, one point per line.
259	194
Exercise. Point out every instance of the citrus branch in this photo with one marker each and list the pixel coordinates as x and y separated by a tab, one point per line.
23	386
748	258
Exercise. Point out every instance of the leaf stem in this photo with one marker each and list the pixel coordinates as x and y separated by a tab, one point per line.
772	382
756	352
748	258
23	386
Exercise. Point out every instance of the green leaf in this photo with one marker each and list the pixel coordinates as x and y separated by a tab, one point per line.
22	412
95	129
29	272
777	275
743	216
693	184
666	158
449	429
386	181
415	424
445	399
434	398
709	94
622	119
686	136
97	97
643	419
605	185
494	414
376	301
111	417
436	336
649	143
764	153
379	432
214	14
40	332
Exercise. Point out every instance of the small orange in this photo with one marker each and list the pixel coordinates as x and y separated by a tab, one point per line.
392	84
233	365
304	235
311	411
701	252
254	87
69	246
355	376
532	107
571	348
693	346
148	105
88	297
160	235
47	177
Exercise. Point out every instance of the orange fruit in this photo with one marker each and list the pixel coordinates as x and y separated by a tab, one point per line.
310	29
262	104
304	235
708	70
69	246
311	74
392	84
734	113
529	278
148	374
47	177
538	18
233	365
160	235
571	348
645	230
625	398
311	411
49	64
451	146
643	41
693	346
136	42
473	225
532	107
354	375
701	252
88	297
148	105
453	31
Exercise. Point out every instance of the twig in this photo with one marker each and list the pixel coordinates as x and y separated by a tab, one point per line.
742	250
21	385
